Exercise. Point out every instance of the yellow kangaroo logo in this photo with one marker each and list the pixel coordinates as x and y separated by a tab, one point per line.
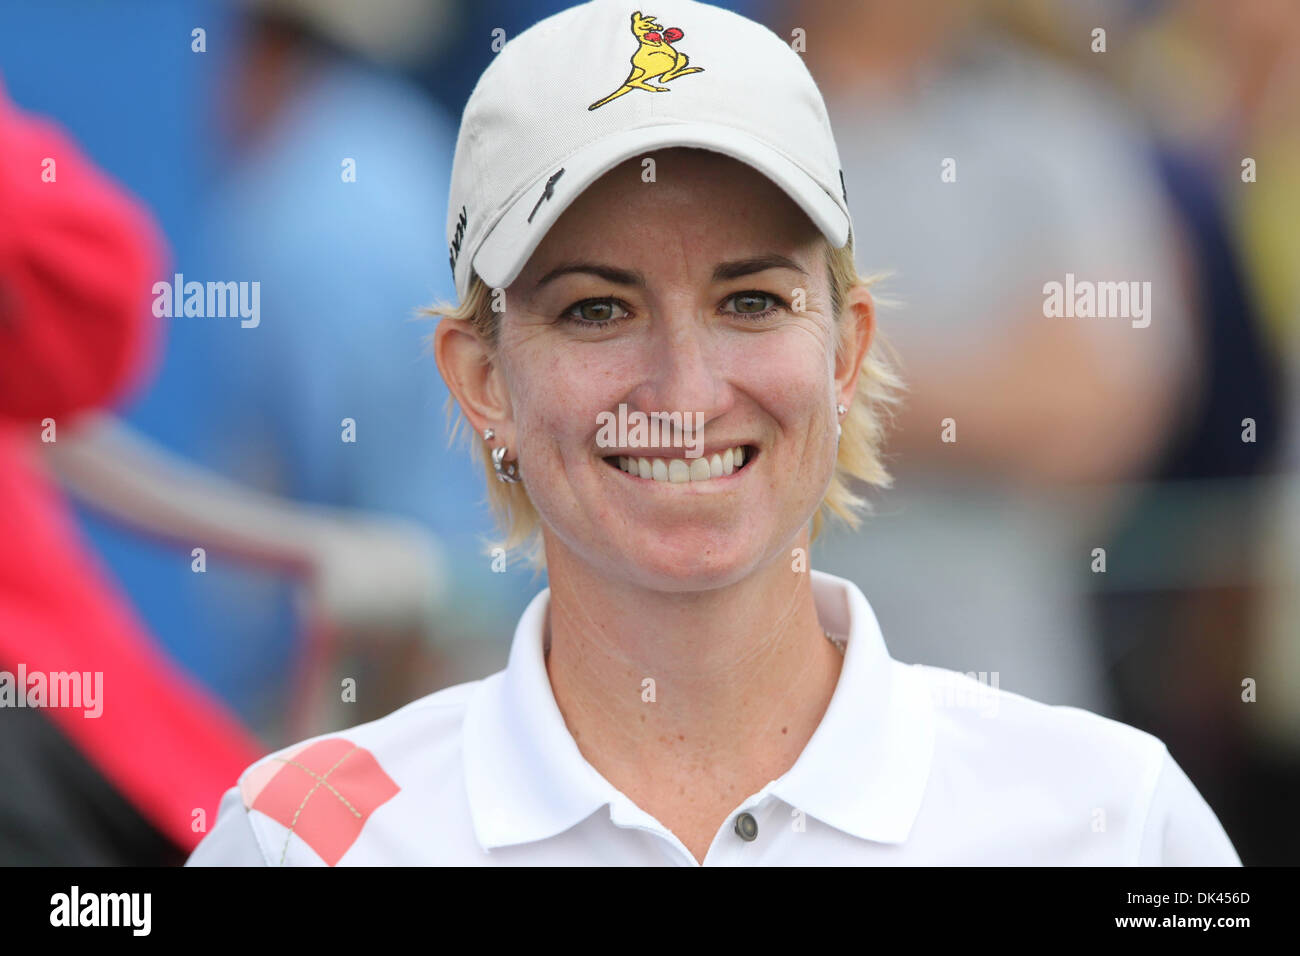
654	58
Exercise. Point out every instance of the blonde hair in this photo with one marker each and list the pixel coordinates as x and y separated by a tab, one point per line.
860	448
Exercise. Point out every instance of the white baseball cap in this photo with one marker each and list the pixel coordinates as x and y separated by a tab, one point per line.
581	91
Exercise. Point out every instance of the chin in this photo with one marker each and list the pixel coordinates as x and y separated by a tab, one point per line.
675	566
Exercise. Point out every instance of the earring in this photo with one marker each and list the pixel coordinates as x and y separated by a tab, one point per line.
839	429
507	472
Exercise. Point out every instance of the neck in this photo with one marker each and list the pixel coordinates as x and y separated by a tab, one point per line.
696	695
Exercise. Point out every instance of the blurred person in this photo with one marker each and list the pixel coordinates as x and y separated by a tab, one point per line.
1221	84
122	771
599	265
91	795
987	172
329	201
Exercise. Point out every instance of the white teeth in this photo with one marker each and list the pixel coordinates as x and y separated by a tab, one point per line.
680	471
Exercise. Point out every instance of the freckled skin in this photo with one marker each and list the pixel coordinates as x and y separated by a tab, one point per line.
769	382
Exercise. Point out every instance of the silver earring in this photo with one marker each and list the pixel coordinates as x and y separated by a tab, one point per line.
507	472
839	429
489	434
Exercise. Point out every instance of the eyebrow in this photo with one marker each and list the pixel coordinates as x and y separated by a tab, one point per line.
723	270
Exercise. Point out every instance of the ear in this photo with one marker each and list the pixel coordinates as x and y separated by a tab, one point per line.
473	378
858	333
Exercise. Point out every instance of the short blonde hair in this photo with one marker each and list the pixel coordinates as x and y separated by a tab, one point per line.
860	457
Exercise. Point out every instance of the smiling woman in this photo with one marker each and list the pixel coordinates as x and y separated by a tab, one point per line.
606	312
687	690
483	310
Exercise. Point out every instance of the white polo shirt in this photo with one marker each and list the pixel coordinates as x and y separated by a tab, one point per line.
911	765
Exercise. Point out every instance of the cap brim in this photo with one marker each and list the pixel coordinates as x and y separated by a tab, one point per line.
506	249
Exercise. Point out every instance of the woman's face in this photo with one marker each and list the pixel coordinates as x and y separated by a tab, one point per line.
705	294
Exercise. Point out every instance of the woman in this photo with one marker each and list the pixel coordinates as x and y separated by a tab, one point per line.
672	243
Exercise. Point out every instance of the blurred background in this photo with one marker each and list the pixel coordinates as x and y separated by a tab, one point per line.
1117	526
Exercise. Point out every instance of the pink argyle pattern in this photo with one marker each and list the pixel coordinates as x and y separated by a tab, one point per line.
323	792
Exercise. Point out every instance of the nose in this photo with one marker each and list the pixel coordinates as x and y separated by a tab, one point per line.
687	373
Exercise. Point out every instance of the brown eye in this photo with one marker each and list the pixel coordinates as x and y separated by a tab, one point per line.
597	311
749	303
592	312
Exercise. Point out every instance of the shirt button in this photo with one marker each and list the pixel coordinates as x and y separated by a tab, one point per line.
747	827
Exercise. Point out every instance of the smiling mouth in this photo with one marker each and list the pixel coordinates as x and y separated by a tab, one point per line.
680	471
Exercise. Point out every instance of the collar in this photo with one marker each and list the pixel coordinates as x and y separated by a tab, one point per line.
863	771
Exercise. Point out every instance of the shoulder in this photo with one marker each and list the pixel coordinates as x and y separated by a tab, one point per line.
970	706
323	790
1026	743
1087	788
427	728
